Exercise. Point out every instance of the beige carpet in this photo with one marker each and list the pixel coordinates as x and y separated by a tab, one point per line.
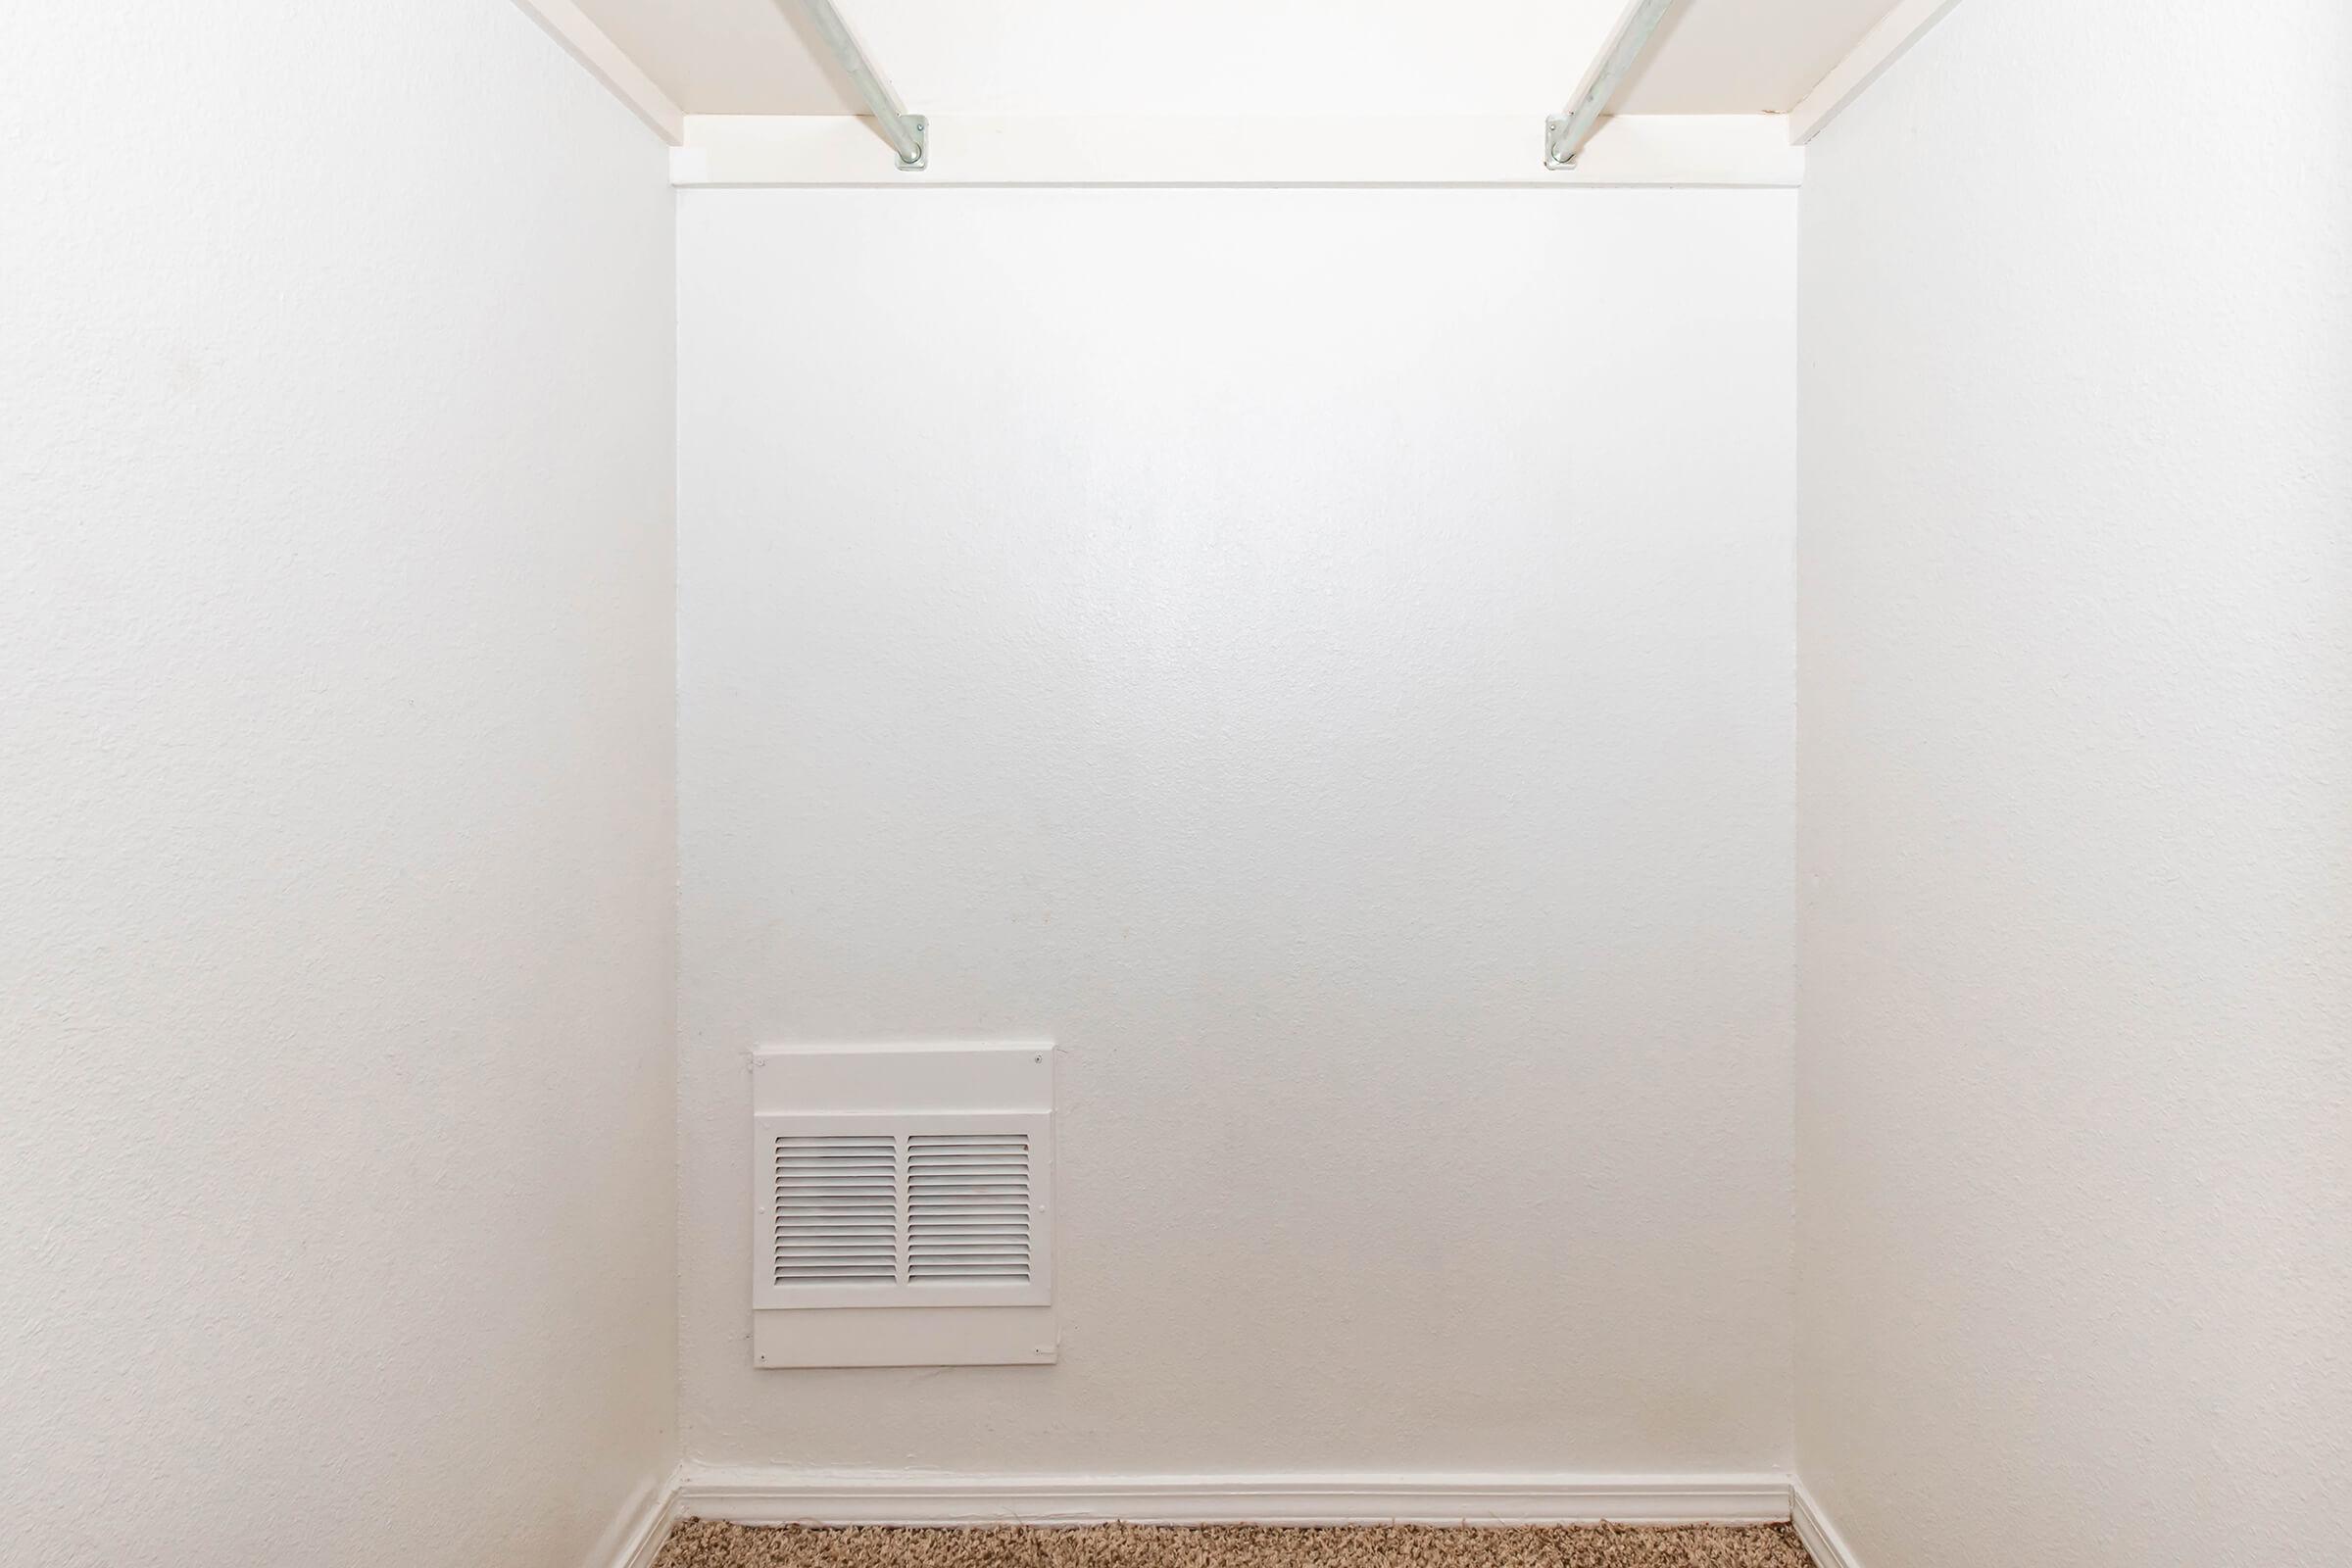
705	1543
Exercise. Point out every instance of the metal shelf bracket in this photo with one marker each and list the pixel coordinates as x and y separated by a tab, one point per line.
1566	133
909	134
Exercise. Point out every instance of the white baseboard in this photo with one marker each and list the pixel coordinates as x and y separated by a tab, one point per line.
635	1538
775	1496
1813	1528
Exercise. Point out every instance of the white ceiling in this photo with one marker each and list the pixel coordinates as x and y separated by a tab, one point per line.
1232	57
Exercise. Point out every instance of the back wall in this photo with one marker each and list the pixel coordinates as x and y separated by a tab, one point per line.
1324	658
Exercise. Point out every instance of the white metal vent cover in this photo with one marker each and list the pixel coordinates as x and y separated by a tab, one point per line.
883	1210
903	1176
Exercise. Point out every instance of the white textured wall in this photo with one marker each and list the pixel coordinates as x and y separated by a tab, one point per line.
335	865
1324	658
2074	611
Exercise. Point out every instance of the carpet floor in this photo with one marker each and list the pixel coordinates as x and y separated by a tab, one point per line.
708	1543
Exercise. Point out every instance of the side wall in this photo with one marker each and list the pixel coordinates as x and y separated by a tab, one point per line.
335	817
2075	802
1322	657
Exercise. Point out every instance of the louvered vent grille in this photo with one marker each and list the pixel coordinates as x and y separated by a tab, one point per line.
967	1208
837	1210
924	1208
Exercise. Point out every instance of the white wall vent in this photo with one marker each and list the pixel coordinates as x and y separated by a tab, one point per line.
884	1209
894	1189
